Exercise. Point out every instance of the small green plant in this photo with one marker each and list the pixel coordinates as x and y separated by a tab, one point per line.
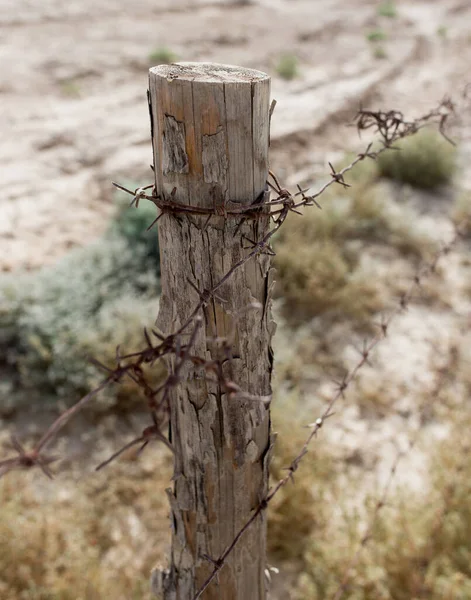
131	225
425	160
379	53
288	66
70	88
376	35
387	9
162	56
442	32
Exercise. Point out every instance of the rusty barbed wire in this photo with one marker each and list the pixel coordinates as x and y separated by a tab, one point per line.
368	346
391	127
35	457
443	377
388	124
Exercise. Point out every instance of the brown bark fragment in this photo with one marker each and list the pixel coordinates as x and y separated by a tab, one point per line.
175	158
214	158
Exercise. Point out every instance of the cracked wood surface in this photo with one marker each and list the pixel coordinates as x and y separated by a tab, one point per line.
211	144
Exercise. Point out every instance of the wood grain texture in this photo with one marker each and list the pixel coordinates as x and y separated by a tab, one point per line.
221	443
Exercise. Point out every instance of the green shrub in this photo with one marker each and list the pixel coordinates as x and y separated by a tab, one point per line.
288	66
320	278
131	225
162	56
318	255
442	32
93	299
425	160
379	52
387	9
376	35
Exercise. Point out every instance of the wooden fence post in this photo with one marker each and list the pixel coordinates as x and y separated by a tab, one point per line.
210	137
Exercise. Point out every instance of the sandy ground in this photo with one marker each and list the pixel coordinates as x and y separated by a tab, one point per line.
73	78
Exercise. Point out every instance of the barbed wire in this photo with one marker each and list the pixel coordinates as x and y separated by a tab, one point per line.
443	375
342	386
391	127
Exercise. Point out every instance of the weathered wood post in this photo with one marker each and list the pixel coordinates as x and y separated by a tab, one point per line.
210	139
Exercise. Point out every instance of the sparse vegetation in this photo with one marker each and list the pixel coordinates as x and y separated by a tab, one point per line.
162	56
107	524
387	9
297	513
70	88
420	541
425	160
95	536
314	528
319	255
376	35
101	527
462	212
320	278
95	298
442	32
379	52
287	66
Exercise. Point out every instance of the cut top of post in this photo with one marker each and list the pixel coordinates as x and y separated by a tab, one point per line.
207	72
210	132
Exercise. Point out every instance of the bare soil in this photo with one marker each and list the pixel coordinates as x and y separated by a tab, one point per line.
74	76
74	117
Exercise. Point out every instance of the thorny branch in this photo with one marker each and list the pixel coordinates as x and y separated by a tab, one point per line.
391	127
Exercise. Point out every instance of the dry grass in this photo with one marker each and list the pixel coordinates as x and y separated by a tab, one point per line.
98	537
373	398
462	212
425	160
91	539
420	544
319	256
299	510
113	525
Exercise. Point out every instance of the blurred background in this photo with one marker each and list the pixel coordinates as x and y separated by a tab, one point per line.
79	275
